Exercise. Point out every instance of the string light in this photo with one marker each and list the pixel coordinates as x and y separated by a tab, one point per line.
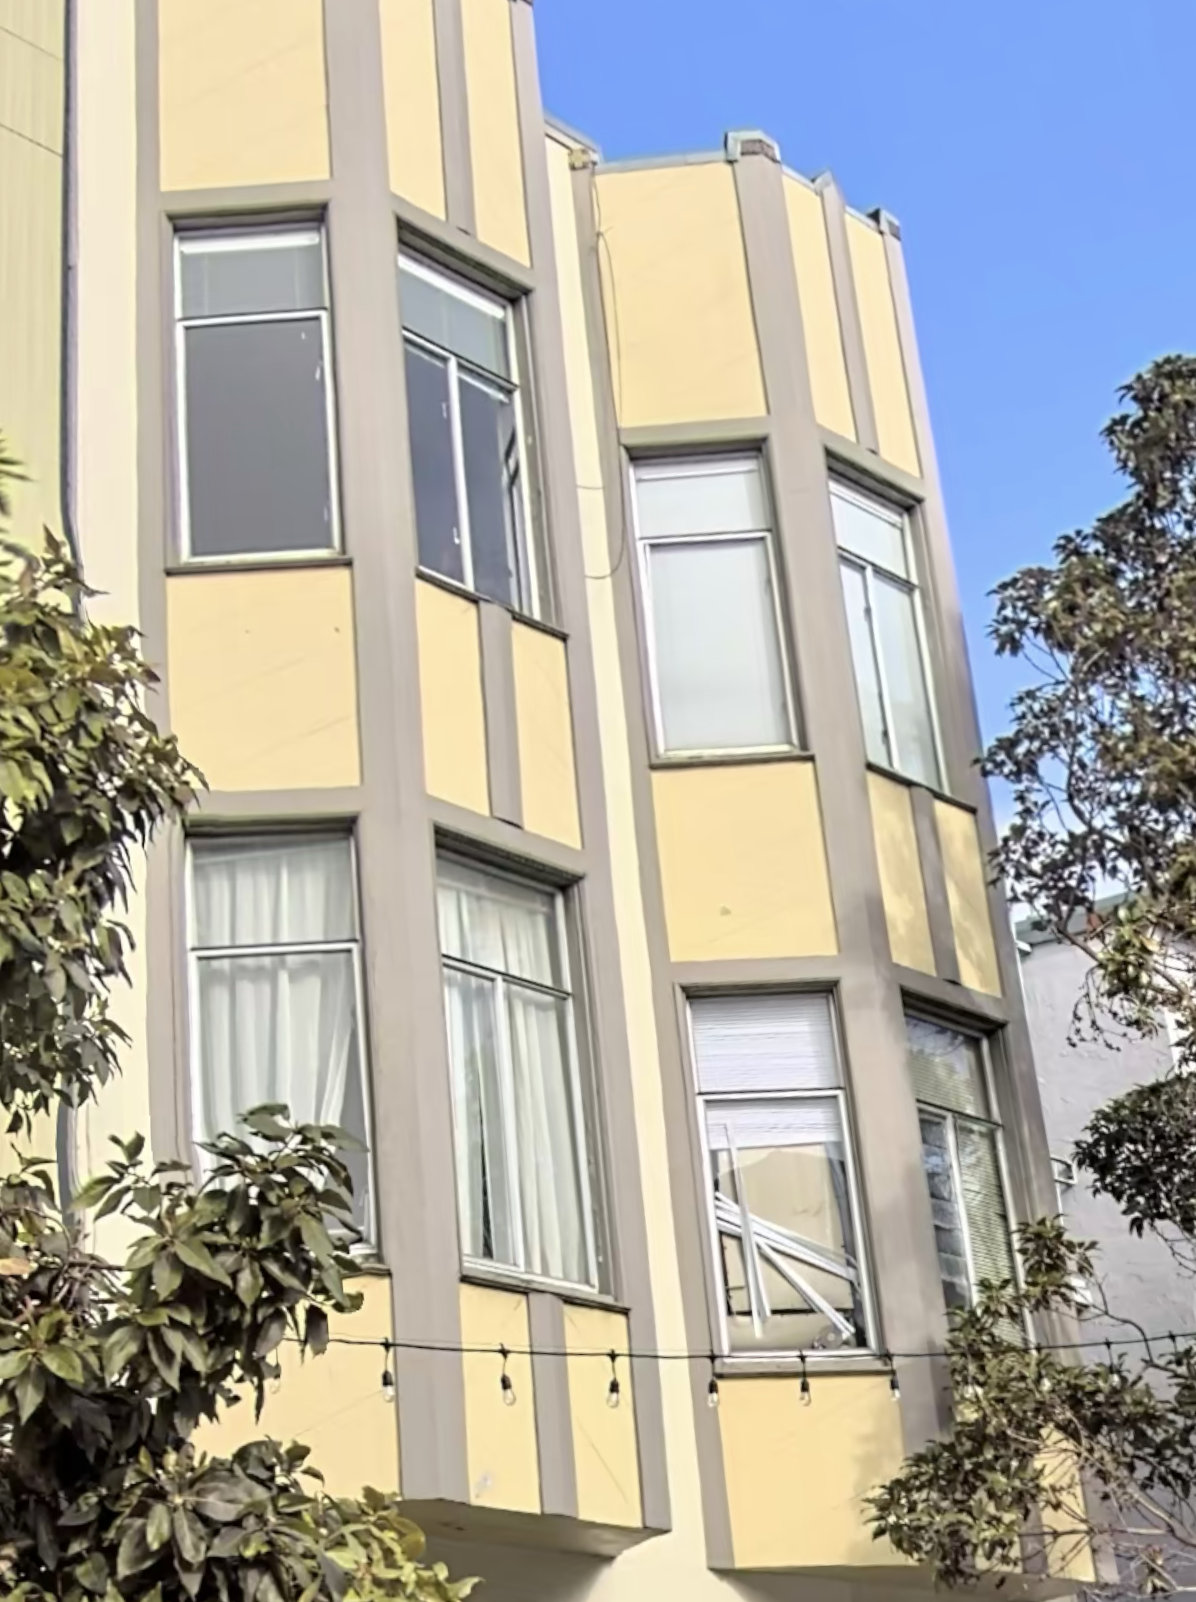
894	1383
712	1388
612	1390
803	1389
505	1383
388	1379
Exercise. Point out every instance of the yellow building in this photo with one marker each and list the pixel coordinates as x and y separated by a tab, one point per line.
544	560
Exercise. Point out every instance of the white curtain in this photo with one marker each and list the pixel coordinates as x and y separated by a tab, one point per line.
519	1148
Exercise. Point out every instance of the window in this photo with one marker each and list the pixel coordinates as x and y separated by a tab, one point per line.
255	395
525	1189
780	1175
887	645
276	991
961	1154
716	662
465	417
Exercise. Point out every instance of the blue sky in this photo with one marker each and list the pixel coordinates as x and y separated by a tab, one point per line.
1039	154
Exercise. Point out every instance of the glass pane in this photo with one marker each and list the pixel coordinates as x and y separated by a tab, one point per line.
947	1067
779	1171
469	329
272	891
273	273
498	924
485	1161
984	1203
552	1188
905	678
430	430
490	447
762	1043
282	1029
257	438
719	674
707	498
945	1211
867	680
874	532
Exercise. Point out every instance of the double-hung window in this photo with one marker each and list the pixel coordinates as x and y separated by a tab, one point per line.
525	1177
888	644
962	1157
276	988
256	451
780	1176
708	573
465	416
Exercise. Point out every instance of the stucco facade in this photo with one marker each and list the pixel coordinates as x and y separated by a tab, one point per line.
750	836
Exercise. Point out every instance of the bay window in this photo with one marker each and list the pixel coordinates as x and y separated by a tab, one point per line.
276	988
524	1155
780	1177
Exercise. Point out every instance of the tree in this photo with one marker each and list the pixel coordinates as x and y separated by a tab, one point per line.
107	1370
1100	760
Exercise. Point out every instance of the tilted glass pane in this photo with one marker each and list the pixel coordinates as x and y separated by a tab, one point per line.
552	1185
430	433
905	679
257	469
984	1202
272	891
863	656
719	672
282	1029
946	1066
945	1210
490	447
471	330
486	1165
791	1273
716	497
765	1042
272	273
870	530
498	924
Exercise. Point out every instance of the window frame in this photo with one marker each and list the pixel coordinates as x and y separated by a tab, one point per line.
585	1107
692	463
911	583
840	1094
369	1245
242	237
533	599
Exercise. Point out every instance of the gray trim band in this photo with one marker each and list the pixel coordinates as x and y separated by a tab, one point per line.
554	1417
458	251
454	115
934	885
252	806
691	437
854	459
306	195
534	854
860	390
495	633
788	973
970	1006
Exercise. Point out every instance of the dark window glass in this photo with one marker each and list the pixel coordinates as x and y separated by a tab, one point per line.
431	430
488	446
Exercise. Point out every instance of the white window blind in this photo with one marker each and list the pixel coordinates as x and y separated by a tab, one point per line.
764	1043
750	1126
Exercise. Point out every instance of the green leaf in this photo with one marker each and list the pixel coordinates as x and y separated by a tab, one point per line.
262	1121
92	1573
64	1362
189	1537
167	1274
157	1526
316	1238
316	1331
134	1553
196	1255
121	1346
249	1283
270	1335
14	1363
30	1389
92	1191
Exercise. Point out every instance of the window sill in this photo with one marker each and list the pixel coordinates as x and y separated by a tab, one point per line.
257	563
427	576
919	784
732	759
500	1279
774	1365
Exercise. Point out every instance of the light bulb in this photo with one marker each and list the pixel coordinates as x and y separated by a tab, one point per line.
388	1386
712	1392
612	1394
508	1391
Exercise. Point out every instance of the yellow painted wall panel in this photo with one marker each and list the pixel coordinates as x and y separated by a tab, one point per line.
819	308
545	731
335	1404
39	22
678	310
242	89
263	682
901	881
967	894
412	90
742	862
882	346
450	692
604	1447
495	151
797	1476
504	1466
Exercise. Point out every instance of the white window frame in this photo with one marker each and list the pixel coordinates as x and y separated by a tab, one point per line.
529	580
702	466
867	567
367	1246
487	1266
263	238
705	1099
